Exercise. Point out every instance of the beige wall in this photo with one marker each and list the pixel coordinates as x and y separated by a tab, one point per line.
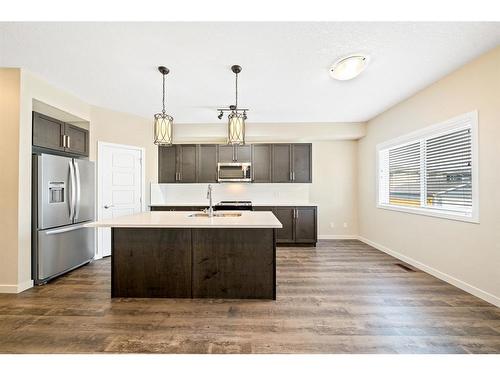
465	254
334	188
10	80
123	128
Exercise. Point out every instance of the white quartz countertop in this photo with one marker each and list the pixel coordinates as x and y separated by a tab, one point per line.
256	204
181	219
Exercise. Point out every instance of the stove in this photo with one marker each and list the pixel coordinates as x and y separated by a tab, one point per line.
233	206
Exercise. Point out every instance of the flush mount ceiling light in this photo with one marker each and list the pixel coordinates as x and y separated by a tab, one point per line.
349	67
236	117
163	123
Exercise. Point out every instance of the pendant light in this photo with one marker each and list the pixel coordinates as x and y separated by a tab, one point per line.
236	117
163	123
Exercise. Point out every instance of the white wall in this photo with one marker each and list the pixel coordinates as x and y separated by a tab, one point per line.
465	254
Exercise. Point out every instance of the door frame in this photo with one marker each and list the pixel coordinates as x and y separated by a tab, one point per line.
100	148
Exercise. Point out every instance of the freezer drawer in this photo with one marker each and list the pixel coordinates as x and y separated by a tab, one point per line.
62	249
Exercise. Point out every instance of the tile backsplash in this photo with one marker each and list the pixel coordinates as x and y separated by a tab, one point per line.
165	194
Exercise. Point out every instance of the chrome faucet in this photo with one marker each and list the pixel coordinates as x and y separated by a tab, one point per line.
210	209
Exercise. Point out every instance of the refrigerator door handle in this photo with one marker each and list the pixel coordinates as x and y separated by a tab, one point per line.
72	201
78	191
65	229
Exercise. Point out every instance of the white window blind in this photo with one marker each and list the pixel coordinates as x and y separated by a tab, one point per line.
404	175
449	170
432	171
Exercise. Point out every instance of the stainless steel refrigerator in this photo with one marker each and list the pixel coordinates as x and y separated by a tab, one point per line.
63	201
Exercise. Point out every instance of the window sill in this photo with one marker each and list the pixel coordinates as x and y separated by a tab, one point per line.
434	213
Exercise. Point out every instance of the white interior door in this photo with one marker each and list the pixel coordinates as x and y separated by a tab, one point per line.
120	186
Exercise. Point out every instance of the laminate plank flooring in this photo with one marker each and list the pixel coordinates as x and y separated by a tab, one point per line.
340	297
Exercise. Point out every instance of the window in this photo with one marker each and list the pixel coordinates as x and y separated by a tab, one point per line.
432	171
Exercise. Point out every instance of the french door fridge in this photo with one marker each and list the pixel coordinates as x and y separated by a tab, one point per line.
63	201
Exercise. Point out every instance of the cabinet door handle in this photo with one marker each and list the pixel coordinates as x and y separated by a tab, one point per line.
68	141
293	176
296	214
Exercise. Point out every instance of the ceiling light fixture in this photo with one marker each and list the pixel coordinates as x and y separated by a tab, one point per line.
236	117
349	67
163	123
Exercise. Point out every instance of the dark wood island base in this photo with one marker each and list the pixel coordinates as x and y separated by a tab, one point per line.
229	263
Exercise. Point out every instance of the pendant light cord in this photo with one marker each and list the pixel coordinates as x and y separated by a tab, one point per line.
163	100
236	91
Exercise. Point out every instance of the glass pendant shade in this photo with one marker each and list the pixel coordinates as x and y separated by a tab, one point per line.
236	128
163	129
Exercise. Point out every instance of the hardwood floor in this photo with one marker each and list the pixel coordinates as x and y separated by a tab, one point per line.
341	297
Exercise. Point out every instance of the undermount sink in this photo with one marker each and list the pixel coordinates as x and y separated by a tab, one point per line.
217	214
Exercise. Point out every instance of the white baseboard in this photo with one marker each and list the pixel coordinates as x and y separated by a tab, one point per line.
337	237
16	288
488	297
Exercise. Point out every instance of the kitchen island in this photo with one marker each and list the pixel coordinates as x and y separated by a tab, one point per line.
185	254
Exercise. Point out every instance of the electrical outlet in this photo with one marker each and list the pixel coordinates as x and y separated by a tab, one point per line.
332	225
345	225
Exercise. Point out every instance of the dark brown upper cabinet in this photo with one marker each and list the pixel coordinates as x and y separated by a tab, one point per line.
282	163
77	139
54	134
177	163
207	163
301	162
167	164
48	132
187	163
261	165
292	163
235	154
279	162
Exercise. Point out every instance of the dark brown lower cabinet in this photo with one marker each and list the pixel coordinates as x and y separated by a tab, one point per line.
305	225
233	263
178	208
299	224
151	262
193	263
286	216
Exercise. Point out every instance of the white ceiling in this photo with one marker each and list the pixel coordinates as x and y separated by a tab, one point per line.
285	65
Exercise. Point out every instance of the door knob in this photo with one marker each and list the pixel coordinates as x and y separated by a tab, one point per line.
106	206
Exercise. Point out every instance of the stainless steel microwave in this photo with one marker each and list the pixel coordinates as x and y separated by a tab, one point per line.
234	172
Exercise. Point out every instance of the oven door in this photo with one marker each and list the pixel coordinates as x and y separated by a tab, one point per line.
234	172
